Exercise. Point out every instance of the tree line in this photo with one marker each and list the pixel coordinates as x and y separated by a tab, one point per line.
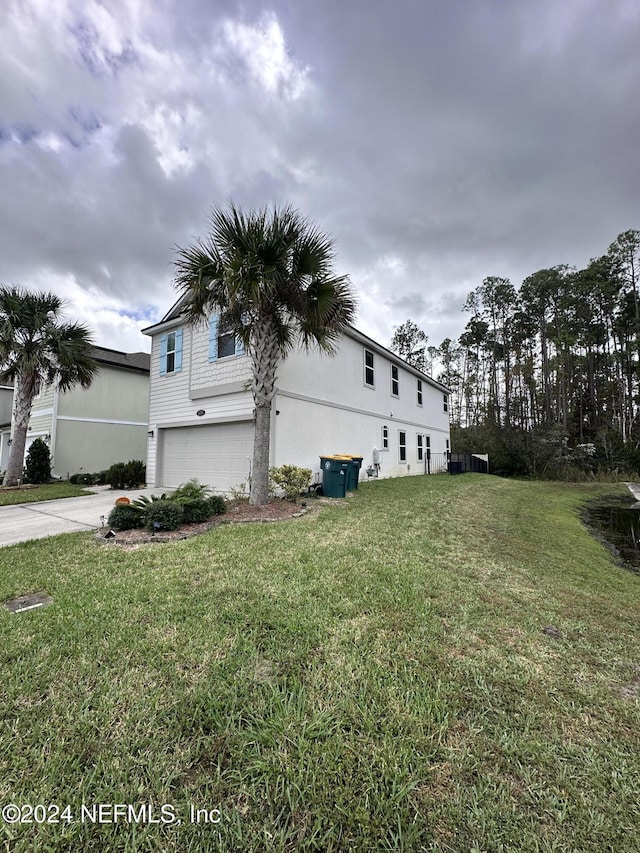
547	378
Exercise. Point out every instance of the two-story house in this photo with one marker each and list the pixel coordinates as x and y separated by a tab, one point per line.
88	429
363	400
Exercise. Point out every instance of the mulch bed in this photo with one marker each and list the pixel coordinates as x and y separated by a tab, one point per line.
238	513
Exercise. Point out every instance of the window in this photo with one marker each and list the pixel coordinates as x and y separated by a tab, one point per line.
447	444
420	448
427	444
226	342
368	368
171	352
395	384
402	446
445	403
222	340
419	392
385	437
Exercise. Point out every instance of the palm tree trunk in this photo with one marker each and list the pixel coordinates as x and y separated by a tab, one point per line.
23	392
265	353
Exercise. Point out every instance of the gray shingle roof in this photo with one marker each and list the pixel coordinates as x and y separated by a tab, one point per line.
140	361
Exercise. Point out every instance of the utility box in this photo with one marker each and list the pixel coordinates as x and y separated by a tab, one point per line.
335	475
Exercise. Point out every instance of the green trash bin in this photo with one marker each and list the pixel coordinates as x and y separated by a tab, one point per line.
335	474
354	470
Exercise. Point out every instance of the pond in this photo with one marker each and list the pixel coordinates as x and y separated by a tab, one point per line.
616	520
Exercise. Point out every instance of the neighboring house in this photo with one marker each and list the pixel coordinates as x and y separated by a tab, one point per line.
6	406
364	400
88	429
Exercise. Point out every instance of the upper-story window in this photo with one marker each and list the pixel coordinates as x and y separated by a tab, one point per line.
385	437
419	392
445	403
222	340
226	341
171	352
368	368
395	382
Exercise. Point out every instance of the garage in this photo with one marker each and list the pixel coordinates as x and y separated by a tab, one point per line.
215	454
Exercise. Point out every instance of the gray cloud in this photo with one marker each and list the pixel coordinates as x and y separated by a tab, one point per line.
437	143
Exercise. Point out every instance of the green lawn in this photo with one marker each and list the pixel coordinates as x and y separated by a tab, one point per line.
45	492
370	677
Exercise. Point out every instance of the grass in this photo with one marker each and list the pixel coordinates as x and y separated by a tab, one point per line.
373	677
44	492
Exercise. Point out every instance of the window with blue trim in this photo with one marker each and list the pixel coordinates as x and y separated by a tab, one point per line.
222	340
171	352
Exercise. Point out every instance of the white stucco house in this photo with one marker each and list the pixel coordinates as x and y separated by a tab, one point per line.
364	400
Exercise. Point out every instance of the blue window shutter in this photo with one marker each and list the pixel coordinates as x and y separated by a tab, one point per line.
163	355
213	337
178	365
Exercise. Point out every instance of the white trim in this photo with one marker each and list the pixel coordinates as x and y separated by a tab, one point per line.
41	413
54	425
102	421
222	419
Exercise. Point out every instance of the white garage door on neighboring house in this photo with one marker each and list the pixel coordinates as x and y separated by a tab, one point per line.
217	455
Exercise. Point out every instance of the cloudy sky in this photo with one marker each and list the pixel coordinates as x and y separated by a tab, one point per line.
437	141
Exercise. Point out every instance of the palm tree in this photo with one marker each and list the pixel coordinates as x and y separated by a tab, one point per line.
269	275
36	348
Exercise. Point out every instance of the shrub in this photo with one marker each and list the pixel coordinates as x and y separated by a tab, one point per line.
125	517
37	467
163	515
126	475
291	480
143	502
217	505
240	492
195	511
115	475
191	491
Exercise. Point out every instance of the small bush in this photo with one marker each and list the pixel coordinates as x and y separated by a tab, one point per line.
291	480
240	492
126	475
37	467
143	502
217	505
125	517
191	491
84	479
163	515
195	511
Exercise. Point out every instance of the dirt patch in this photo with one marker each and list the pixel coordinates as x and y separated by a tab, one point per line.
240	513
28	602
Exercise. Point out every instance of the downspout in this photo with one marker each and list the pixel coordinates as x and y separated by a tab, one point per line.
54	427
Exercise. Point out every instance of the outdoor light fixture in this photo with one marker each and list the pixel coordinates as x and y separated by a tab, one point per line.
151	433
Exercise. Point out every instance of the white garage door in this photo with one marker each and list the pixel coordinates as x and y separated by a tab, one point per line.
215	454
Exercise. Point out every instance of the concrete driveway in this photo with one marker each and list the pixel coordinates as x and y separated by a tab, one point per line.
21	522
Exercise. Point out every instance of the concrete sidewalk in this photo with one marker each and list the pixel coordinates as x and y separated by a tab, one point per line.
21	522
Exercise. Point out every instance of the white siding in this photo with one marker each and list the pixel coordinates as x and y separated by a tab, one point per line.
217	389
